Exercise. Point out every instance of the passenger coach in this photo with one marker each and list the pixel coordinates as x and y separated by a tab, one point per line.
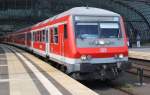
88	43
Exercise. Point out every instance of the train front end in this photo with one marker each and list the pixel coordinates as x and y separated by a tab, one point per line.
101	47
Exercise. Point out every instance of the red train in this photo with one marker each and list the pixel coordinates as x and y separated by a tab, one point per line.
87	42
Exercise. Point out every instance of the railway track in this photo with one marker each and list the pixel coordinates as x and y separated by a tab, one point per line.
116	88
140	64
107	87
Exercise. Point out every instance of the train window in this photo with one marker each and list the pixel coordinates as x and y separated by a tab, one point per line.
109	30
36	33
43	35
65	31
37	36
51	35
40	32
46	32
86	30
34	36
28	36
55	35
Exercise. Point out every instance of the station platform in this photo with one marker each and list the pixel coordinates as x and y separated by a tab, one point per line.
140	49
140	58
140	53
24	74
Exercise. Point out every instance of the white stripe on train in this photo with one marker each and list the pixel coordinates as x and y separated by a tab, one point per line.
78	60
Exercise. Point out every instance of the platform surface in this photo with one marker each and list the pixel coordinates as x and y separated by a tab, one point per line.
140	53
24	74
140	49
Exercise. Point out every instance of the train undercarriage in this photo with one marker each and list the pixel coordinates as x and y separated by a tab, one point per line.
109	71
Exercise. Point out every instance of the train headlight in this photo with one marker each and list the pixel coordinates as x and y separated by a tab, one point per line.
121	56
84	58
101	42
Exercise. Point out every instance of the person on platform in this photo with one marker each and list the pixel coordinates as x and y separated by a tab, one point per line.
138	40
129	42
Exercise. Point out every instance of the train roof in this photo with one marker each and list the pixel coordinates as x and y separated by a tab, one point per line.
82	11
87	11
91	11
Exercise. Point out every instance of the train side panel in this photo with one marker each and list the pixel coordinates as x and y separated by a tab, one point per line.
59	38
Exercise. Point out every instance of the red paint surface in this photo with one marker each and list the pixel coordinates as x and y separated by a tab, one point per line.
39	45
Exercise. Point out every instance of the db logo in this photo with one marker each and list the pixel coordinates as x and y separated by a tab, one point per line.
103	49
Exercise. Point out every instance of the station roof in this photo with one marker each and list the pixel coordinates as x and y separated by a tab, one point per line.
15	14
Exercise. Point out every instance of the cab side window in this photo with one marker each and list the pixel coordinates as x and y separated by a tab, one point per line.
55	35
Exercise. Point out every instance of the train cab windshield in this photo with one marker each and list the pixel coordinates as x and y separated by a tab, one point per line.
88	30
97	30
109	30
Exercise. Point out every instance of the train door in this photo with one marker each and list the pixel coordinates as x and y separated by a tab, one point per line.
47	41
61	48
62	31
57	41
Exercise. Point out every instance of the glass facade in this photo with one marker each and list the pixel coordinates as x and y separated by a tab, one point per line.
135	13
